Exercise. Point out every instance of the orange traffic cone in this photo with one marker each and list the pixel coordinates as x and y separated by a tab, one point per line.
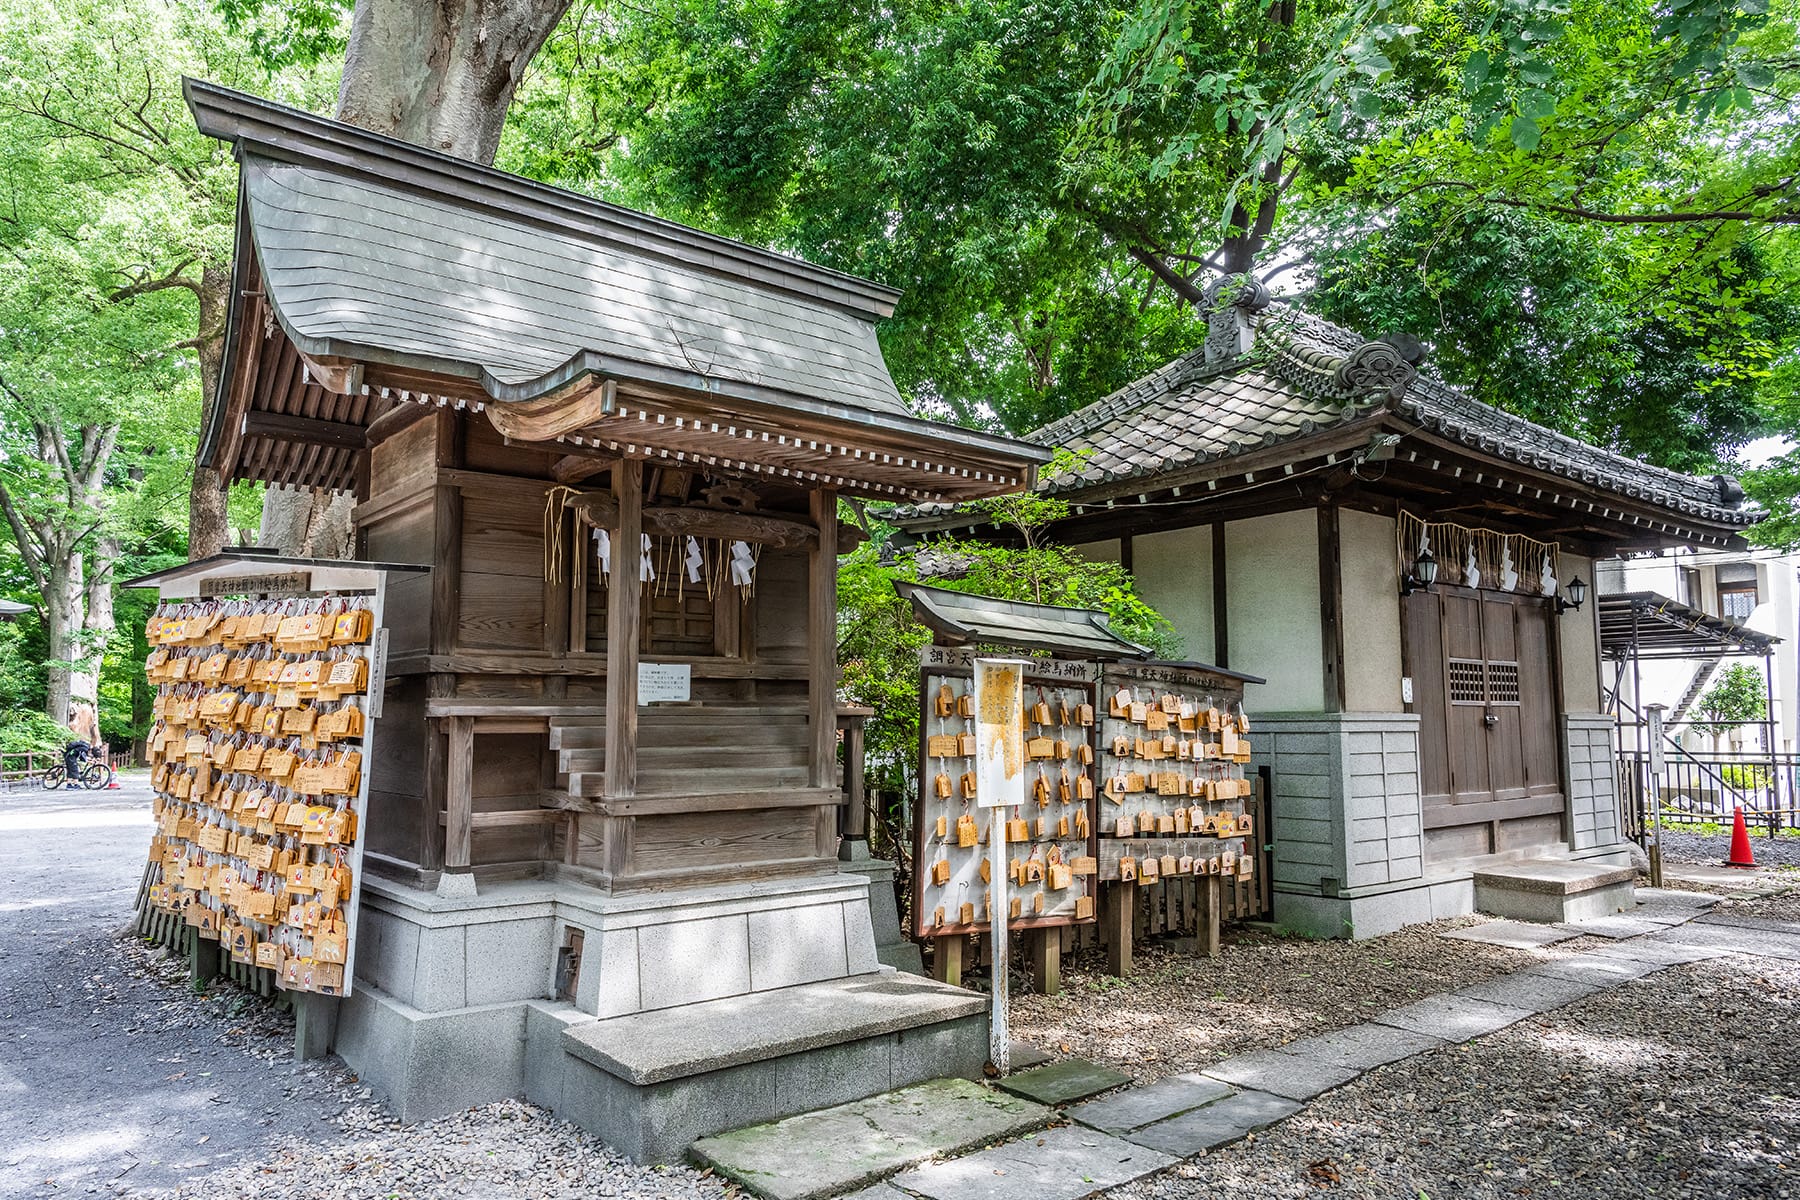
1740	841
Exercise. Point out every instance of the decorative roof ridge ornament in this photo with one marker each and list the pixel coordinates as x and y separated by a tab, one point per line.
1385	365
1231	304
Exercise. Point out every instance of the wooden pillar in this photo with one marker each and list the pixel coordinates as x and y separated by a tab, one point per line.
821	663
624	595
947	959
1208	919
624	600
459	803
1120	904
1045	948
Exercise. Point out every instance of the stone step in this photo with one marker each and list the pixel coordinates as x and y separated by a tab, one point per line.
653	1082
1063	1083
836	1150
1553	890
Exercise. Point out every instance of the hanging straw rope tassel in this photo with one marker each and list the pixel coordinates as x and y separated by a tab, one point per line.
554	502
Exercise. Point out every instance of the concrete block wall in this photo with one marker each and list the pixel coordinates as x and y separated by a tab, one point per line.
1346	821
1345	807
1381	771
1591	768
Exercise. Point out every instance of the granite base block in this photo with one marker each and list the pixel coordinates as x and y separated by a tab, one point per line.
428	1065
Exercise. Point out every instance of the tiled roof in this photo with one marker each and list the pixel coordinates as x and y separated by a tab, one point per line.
1294	384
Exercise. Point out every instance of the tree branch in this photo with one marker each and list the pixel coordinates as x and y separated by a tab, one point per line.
34	559
172	279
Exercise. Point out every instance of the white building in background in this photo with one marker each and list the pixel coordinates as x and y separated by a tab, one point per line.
1756	588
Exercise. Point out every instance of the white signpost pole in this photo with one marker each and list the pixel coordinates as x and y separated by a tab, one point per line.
999	786
1654	715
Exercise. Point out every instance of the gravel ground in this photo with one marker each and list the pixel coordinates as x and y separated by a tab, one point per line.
1712	848
1624	1095
1179	1013
504	1151
116	1079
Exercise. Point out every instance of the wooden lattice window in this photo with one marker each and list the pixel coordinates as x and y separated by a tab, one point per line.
1503	682
1468	681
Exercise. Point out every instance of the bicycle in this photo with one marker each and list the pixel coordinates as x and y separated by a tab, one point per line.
92	776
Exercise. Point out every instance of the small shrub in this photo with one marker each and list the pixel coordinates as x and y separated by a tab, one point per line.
23	730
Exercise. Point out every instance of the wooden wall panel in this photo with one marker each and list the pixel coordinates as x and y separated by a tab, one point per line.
501	612
485	450
507	778
697	841
779	606
405	537
1425	663
398	821
404	463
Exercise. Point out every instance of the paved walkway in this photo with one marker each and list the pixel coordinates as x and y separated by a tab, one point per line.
1139	1131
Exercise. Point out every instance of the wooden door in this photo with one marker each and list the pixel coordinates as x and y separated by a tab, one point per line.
1483	672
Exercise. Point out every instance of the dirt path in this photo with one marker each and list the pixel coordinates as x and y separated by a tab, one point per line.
110	1078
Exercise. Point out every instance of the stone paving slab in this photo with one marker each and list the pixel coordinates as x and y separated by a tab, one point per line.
1362	1047
1454	1018
1600	970
880	1191
1649	897
1736	938
1614	928
1060	1164
1513	935
1528	990
1657	951
1751	923
1715	876
835	1150
1217	1124
1022	1056
1064	1082
1283	1075
1137	1107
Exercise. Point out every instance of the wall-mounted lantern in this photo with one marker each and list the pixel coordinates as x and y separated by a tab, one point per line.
1577	597
1424	574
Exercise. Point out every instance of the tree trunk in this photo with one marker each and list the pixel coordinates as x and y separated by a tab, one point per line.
208	524
63	620
436	73
441	73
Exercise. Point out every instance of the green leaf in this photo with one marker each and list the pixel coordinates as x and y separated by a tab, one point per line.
1525	133
1475	71
1537	105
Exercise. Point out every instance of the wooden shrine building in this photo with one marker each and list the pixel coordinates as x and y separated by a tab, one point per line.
1408	567
601	861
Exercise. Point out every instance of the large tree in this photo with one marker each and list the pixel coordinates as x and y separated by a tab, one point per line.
438	73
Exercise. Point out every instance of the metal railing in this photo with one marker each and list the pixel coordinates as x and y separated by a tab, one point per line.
25	769
1709	787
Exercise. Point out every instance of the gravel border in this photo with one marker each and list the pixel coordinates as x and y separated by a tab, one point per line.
508	1150
1681	1084
1178	1012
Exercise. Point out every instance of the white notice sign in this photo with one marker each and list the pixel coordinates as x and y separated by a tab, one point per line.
663	682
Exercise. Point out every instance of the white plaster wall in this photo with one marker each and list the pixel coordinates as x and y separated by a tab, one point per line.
1272	609
1104	550
1370	570
1579	632
1174	573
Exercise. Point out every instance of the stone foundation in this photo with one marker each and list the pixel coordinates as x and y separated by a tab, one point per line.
454	1004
